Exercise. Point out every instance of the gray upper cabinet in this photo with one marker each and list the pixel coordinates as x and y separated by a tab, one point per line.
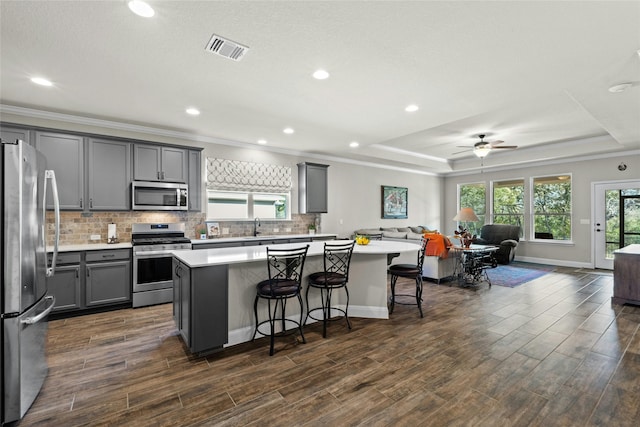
12	134
313	188
195	181
65	155
157	163
109	175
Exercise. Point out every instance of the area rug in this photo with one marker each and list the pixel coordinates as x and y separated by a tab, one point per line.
517	273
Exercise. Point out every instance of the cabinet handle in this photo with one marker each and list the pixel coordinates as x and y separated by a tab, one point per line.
108	255
162	175
177	271
88	272
81	203
91	203
77	273
158	175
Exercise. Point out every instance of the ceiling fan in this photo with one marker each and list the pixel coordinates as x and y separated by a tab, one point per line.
482	148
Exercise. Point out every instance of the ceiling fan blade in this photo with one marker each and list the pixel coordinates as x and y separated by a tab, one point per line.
504	146
497	142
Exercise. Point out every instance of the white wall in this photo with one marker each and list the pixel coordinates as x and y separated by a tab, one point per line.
584	173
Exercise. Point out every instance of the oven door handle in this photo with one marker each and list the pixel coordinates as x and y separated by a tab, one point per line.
151	254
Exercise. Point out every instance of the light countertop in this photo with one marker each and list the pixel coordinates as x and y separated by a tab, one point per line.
259	237
628	250
90	247
221	256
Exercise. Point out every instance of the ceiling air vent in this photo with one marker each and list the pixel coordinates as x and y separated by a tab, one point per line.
227	48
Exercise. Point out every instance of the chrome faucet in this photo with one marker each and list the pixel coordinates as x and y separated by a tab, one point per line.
256	224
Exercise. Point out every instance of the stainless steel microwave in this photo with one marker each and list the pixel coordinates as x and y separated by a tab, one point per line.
159	196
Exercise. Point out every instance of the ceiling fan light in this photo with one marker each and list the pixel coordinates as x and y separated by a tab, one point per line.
481	151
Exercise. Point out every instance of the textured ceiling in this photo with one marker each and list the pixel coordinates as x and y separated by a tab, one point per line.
534	74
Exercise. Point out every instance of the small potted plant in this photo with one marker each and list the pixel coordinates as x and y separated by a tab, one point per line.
201	231
312	228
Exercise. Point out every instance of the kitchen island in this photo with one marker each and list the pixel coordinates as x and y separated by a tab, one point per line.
214	289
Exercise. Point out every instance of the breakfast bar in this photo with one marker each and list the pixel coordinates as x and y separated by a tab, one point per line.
214	289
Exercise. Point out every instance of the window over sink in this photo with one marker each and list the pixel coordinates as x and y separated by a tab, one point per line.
239	205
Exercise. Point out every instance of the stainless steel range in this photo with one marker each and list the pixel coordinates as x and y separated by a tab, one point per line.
152	275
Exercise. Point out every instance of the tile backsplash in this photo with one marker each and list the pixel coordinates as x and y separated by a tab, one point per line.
76	228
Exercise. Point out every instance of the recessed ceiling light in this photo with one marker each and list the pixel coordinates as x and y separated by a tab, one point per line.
141	8
41	81
288	131
620	87
411	108
193	111
320	75
354	144
262	141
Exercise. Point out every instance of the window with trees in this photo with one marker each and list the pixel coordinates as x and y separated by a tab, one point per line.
508	203
551	201
474	196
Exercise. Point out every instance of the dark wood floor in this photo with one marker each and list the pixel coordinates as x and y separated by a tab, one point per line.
552	352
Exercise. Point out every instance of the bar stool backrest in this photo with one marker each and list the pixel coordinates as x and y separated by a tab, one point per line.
285	265
337	257
423	248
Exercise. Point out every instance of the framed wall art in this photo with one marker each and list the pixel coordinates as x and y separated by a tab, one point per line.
394	202
213	229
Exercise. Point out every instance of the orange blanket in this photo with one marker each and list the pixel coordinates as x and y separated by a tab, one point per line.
438	245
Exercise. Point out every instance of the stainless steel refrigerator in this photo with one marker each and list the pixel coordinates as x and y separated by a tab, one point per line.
24	301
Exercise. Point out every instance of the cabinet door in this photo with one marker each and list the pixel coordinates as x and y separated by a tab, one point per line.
65	155
12	134
108	283
109	174
313	188
195	181
147	163
65	286
174	165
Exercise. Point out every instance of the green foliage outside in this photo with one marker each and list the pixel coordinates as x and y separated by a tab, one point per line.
508	204
552	208
617	237
473	196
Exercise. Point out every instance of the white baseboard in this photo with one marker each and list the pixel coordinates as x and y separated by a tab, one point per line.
240	335
558	262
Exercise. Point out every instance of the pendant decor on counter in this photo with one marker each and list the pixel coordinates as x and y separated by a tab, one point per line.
236	175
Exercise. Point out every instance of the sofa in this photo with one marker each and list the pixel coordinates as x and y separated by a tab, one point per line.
437	265
505	236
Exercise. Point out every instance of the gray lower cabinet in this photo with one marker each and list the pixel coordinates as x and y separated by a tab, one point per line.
158	163
65	156
109	175
108	278
91	279
66	283
200	306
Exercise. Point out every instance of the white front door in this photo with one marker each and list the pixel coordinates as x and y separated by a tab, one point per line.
616	219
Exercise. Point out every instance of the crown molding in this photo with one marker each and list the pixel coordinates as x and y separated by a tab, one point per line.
149	130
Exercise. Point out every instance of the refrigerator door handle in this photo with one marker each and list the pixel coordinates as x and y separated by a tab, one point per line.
35	319
49	174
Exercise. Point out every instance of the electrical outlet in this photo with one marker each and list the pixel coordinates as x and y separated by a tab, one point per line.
275	230
95	237
225	230
287	230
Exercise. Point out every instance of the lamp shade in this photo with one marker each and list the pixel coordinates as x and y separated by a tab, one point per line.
466	215
482	151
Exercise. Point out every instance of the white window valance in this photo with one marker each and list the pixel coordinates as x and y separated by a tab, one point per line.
235	175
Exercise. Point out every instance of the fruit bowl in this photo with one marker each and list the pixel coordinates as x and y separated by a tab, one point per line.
362	240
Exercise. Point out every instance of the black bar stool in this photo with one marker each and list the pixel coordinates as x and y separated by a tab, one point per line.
284	267
337	257
410	271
